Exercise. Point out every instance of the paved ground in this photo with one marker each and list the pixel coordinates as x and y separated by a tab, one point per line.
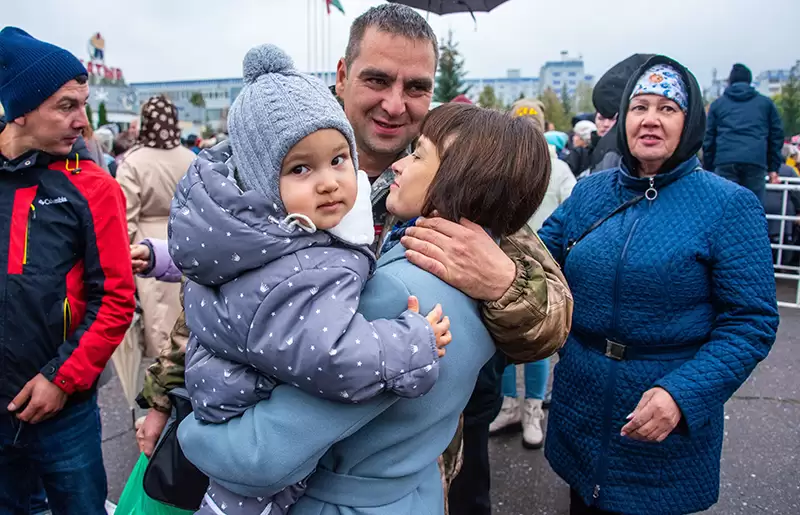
760	465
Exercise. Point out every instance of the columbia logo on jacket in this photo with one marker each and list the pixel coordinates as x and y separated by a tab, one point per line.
50	201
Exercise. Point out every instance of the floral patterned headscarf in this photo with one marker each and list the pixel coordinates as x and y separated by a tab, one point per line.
664	80
159	124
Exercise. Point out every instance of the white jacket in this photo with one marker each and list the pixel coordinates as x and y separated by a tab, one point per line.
558	190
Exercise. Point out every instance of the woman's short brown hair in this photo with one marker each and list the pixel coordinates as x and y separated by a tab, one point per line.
494	167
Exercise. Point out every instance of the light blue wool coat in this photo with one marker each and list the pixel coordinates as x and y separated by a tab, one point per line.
372	458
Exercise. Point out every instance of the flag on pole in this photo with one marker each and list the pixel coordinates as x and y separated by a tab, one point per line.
336	4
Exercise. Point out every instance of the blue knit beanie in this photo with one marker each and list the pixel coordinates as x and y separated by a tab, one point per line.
31	71
277	107
556	138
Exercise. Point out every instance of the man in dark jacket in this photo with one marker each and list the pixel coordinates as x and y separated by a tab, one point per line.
66	288
744	134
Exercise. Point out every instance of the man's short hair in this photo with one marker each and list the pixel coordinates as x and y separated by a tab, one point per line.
82	79
394	19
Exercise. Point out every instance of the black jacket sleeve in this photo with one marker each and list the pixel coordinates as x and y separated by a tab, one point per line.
710	140
775	142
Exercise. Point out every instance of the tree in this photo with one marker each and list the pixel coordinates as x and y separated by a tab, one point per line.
488	99
554	110
197	100
450	79
583	98
566	101
89	115
788	104
102	116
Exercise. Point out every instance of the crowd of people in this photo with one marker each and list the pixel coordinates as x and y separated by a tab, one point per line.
339	288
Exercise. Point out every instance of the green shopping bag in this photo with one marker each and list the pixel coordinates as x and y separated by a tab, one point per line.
135	502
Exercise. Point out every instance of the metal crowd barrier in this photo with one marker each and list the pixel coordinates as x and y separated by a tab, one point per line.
787	272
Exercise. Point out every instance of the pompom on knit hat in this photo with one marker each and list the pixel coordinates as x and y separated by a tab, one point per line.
31	71
277	107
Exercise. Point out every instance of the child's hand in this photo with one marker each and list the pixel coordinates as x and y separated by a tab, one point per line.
140	257
439	323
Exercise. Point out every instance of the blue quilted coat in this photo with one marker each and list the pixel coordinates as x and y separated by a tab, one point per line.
691	268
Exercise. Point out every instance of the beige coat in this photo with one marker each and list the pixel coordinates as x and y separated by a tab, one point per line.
148	177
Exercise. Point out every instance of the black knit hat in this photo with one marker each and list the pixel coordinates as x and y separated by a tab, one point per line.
740	73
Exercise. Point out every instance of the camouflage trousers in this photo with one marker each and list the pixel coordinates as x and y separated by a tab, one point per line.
450	462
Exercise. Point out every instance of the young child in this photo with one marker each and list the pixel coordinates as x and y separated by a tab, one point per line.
273	241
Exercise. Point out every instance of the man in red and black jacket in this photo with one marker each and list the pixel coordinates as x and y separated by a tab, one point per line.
66	288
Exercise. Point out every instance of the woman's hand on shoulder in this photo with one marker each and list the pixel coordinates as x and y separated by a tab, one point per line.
654	419
439	323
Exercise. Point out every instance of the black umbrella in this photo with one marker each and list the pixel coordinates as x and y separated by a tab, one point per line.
452	6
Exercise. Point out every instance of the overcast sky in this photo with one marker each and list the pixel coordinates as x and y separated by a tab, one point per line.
155	40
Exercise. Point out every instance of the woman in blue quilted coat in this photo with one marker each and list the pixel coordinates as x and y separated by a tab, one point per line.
670	268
